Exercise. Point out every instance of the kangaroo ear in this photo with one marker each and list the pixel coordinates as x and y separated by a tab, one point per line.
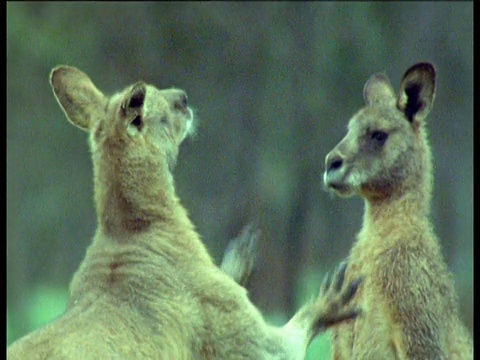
417	92
77	95
378	89
134	98
131	107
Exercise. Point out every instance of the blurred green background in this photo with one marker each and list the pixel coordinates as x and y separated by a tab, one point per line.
273	85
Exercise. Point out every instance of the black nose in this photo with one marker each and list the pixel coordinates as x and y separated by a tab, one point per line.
334	163
182	101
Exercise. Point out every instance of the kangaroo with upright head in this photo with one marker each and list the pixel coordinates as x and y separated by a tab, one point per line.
147	288
409	302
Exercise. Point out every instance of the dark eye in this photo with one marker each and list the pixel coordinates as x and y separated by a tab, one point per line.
164	120
379	137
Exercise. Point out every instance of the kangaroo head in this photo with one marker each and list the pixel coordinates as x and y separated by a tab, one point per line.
385	149
134	139
140	119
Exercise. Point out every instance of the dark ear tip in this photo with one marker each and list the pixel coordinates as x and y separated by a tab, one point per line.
425	67
429	68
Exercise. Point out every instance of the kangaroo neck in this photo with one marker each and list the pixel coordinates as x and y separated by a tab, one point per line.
132	194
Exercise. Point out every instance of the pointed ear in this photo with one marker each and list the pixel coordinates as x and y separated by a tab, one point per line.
131	107
77	95
134	98
378	89
417	92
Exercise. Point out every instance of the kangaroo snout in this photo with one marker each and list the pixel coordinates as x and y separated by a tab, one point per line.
177	98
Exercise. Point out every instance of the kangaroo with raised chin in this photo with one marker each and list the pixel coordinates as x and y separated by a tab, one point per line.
147	288
408	297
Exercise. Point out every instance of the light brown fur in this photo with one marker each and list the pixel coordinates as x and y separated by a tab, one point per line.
147	288
410	304
239	257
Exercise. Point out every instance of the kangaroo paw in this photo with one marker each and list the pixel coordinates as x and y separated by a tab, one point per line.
239	257
335	298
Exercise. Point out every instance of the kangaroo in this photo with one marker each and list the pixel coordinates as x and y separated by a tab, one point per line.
408	297
147	287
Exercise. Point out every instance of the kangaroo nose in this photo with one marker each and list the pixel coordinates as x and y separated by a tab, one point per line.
182	101
333	162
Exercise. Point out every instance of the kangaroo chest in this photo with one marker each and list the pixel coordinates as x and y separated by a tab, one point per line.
355	339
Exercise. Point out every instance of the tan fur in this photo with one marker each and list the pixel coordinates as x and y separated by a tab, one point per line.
239	257
147	288
410	304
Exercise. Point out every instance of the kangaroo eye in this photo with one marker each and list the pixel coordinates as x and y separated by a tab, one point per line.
379	137
164	120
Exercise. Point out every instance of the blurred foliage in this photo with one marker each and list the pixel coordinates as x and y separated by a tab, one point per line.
44	303
273	85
